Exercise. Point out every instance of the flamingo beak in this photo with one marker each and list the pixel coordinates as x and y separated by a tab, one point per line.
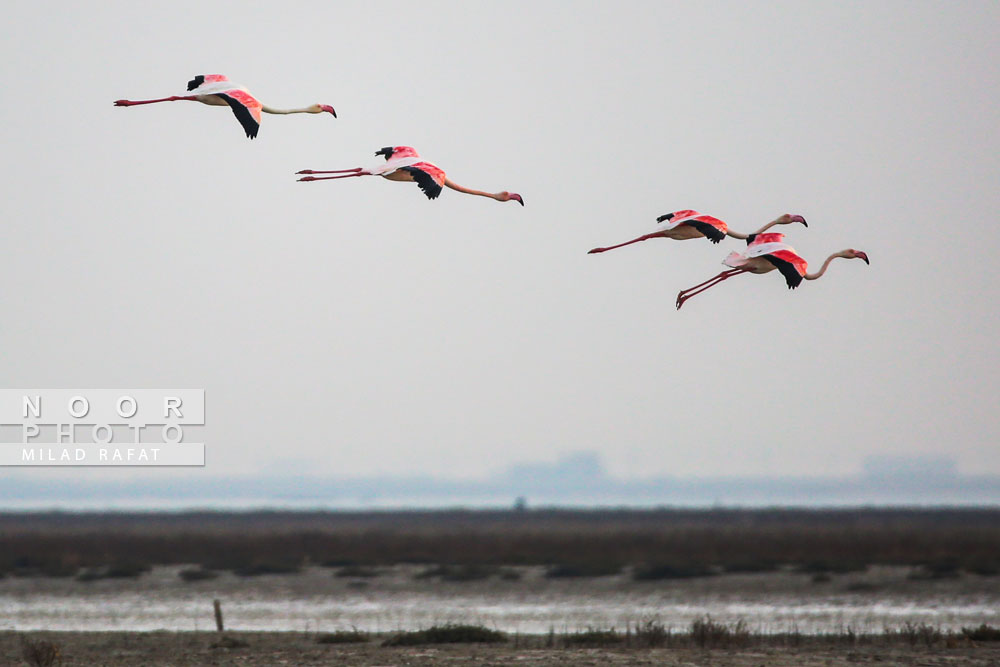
516	197
799	218
864	256
327	108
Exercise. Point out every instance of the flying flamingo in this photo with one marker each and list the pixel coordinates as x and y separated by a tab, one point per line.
683	225
764	253
217	90
402	163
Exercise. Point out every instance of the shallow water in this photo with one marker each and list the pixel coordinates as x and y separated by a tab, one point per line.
317	601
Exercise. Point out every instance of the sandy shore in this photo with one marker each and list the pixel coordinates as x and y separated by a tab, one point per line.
187	648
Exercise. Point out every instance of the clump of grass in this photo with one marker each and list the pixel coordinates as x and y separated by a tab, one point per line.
984	633
668	571
357	571
916	633
594	637
447	634
39	652
569	570
651	634
353	636
707	633
228	642
197	574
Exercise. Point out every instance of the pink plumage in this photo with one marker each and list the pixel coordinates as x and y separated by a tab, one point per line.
764	253
403	163
217	90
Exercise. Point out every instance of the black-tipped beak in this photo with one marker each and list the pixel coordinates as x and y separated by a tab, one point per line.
799	218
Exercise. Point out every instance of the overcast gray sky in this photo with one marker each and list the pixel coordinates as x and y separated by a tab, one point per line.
355	328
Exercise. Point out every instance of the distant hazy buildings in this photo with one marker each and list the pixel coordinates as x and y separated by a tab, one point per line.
578	479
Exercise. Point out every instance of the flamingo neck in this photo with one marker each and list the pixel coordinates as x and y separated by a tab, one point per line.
822	269
744	237
282	112
469	191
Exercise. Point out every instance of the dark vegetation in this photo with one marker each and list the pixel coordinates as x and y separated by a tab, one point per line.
984	633
39	652
342	637
447	634
36	650
469	545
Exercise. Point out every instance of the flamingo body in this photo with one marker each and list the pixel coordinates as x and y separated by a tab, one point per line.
766	252
403	163
687	224
217	90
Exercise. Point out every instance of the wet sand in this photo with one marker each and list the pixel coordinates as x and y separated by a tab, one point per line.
115	649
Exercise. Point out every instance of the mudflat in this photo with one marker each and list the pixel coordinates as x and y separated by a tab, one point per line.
289	648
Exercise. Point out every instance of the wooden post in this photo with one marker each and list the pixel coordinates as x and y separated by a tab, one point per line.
218	615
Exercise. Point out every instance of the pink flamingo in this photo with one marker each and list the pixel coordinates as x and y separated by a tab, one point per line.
402	163
764	253
217	90
683	225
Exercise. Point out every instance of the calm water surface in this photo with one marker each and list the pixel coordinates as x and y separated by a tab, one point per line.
317	601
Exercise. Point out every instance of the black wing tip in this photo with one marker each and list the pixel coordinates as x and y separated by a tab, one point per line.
250	125
195	82
792	276
387	152
424	181
711	232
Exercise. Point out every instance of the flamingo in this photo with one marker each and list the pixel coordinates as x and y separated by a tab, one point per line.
688	224
764	253
402	163
217	90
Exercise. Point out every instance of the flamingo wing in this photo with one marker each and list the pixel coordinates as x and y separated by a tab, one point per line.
713	228
791	266
769	237
245	107
709	226
429	178
202	79
781	256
